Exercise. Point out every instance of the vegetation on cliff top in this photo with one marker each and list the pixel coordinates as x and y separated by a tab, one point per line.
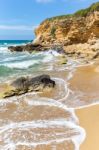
85	12
79	13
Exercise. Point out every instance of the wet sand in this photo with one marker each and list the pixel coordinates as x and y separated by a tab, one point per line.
45	121
89	120
85	84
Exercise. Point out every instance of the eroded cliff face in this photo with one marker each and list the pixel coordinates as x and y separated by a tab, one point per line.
76	34
72	30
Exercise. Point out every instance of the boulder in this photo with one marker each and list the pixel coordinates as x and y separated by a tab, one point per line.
24	85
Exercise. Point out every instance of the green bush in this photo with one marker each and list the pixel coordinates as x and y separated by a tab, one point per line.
59	17
53	30
85	12
80	13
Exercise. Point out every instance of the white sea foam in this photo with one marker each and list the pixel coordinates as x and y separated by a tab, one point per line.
60	137
4	50
94	103
50	55
52	52
21	65
24	60
27	125
61	123
47	59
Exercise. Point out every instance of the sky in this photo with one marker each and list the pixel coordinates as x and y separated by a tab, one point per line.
19	18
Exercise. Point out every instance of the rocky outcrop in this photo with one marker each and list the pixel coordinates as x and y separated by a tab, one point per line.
29	47
89	50
68	30
76	33
24	85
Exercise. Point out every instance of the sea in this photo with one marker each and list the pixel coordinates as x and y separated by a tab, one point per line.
45	120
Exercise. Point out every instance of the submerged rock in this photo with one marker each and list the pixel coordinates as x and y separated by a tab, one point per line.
24	85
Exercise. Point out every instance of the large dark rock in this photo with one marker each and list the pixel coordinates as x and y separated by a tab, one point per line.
29	47
40	82
20	83
15	48
25	84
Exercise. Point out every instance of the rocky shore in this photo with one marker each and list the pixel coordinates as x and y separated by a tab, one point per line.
76	35
24	85
29	47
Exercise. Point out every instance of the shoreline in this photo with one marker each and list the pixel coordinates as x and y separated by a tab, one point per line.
89	120
75	78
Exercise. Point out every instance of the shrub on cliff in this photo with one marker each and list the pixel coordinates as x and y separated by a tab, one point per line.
79	13
85	12
53	30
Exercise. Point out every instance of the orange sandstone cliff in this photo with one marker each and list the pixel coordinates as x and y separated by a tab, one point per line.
77	33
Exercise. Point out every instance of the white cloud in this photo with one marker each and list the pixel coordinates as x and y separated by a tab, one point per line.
44	1
19	27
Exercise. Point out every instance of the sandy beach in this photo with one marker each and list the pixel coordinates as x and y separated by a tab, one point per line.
89	120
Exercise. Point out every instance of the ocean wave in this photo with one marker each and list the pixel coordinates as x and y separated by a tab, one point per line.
25	60
21	65
4	50
4	71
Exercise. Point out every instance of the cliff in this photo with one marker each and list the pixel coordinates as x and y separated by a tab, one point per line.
70	29
77	35
78	31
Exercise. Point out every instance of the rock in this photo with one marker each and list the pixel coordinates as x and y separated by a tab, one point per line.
29	47
40	82
32	47
4	87
68	31
15	48
62	60
20	83
96	55
24	85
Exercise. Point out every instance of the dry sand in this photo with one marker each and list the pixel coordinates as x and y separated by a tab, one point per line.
89	120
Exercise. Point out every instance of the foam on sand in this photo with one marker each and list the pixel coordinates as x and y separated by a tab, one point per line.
56	128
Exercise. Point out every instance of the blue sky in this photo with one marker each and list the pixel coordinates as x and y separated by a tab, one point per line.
18	18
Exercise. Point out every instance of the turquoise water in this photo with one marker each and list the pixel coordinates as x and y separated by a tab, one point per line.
12	64
21	63
4	43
